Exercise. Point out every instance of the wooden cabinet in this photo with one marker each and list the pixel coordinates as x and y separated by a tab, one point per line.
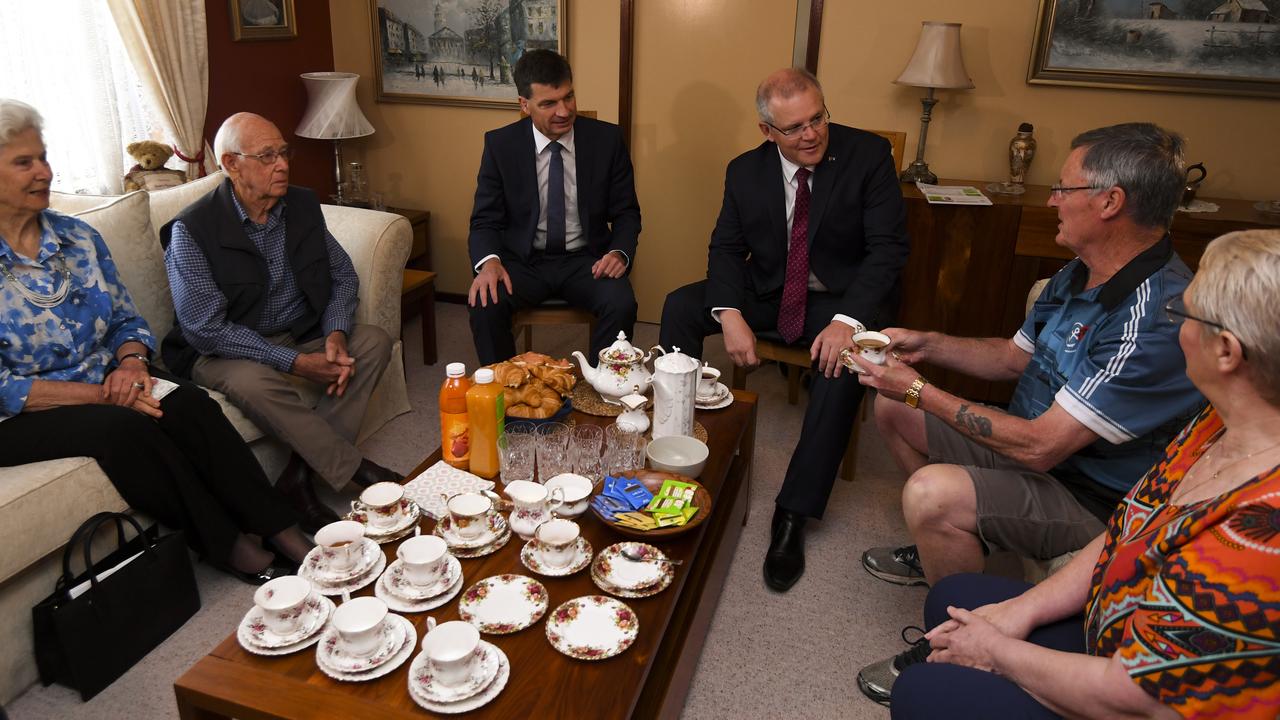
971	267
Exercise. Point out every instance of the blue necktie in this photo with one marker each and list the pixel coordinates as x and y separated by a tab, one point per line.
555	201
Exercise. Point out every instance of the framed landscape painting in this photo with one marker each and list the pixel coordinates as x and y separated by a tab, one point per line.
1228	47
459	52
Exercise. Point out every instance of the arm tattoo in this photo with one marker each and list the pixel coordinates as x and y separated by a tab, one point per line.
973	423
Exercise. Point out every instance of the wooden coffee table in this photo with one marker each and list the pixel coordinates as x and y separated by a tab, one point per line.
649	679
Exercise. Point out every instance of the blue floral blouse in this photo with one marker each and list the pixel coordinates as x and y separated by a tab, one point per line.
76	340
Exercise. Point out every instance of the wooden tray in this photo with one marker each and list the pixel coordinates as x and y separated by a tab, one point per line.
652	480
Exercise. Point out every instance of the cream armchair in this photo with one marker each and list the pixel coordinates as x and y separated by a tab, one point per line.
41	504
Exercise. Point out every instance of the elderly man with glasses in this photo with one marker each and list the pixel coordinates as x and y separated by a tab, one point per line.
811	240
265	297
1102	385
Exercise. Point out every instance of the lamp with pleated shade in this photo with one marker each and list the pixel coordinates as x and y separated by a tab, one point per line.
333	114
937	63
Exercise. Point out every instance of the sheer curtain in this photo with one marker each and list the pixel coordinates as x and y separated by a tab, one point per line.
167	42
66	58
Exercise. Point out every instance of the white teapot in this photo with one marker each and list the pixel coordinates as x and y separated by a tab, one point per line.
621	368
675	389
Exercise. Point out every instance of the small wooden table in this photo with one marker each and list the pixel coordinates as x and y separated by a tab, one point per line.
418	297
649	679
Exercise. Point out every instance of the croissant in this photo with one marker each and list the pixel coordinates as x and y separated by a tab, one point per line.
531	358
509	374
562	381
534	400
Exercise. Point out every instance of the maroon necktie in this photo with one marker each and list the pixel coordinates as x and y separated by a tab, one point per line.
795	289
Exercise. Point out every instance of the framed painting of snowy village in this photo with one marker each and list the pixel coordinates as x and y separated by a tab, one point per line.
1229	47
460	52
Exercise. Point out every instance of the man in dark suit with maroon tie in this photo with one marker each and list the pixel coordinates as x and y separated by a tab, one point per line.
811	238
555	214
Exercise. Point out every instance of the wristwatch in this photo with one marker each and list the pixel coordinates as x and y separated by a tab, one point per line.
912	398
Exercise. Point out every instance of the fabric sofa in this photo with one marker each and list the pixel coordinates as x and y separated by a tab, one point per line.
41	504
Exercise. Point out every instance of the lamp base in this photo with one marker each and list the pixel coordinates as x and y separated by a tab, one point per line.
918	171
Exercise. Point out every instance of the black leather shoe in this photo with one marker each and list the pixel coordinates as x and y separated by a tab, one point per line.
264	576
296	485
370	472
784	562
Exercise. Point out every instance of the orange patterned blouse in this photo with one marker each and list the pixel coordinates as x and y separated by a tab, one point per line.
1189	596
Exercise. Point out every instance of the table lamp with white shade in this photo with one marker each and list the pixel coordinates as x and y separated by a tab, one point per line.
333	114
937	63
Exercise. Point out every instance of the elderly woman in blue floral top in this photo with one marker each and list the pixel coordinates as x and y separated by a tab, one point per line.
75	380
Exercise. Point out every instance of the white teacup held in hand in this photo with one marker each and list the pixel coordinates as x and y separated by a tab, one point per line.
341	544
423	557
281	601
870	346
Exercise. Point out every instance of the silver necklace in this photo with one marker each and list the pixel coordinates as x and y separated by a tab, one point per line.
42	300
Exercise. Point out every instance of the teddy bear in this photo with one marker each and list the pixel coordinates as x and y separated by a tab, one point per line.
150	172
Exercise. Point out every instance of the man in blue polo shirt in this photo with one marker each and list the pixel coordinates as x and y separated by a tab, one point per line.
1102	385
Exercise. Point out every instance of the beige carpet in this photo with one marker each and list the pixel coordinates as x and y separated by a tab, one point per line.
767	655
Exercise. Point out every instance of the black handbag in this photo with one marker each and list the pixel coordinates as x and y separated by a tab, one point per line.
88	641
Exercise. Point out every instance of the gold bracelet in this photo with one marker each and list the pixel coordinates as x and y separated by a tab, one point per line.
912	398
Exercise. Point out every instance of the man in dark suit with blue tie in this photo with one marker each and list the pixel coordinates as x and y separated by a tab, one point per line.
555	214
811	238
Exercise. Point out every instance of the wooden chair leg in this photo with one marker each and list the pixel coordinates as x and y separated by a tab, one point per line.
429	326
793	383
739	378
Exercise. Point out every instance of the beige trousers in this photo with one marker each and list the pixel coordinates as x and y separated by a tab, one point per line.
324	434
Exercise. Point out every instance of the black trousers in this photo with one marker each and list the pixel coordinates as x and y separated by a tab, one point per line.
543	277
933	690
833	402
189	469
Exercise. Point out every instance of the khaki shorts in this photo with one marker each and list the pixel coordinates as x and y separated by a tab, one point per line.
1019	509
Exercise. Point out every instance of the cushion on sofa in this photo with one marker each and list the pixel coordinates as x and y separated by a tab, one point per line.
167	203
43	503
122	221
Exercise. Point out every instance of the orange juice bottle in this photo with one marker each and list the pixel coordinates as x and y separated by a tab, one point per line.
455	440
486	414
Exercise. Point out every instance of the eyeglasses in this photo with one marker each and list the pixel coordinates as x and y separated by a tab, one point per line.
269	157
1060	190
1177	308
817	124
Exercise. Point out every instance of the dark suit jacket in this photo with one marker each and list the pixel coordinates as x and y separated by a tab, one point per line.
857	227
505	215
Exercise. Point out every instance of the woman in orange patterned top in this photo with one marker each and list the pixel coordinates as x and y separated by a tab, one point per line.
1181	594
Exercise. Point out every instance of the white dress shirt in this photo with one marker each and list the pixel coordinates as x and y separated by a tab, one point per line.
789	186
574	238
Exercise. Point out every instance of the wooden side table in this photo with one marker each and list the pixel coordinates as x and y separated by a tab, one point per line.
419	297
420	254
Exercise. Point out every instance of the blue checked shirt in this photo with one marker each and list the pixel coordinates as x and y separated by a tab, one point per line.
75	340
201	306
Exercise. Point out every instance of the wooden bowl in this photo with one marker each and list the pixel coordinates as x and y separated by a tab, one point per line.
652	480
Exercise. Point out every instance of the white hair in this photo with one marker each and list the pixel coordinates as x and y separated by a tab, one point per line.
1238	285
228	139
15	117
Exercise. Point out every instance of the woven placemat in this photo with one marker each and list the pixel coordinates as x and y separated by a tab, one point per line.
699	433
587	400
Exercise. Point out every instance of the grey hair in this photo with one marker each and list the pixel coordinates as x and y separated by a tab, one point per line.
1238	285
15	117
783	83
1144	160
229	137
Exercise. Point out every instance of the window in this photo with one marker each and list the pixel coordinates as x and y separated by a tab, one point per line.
66	59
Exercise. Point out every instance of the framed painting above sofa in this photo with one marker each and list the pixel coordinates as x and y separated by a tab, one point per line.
460	53
1226	47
